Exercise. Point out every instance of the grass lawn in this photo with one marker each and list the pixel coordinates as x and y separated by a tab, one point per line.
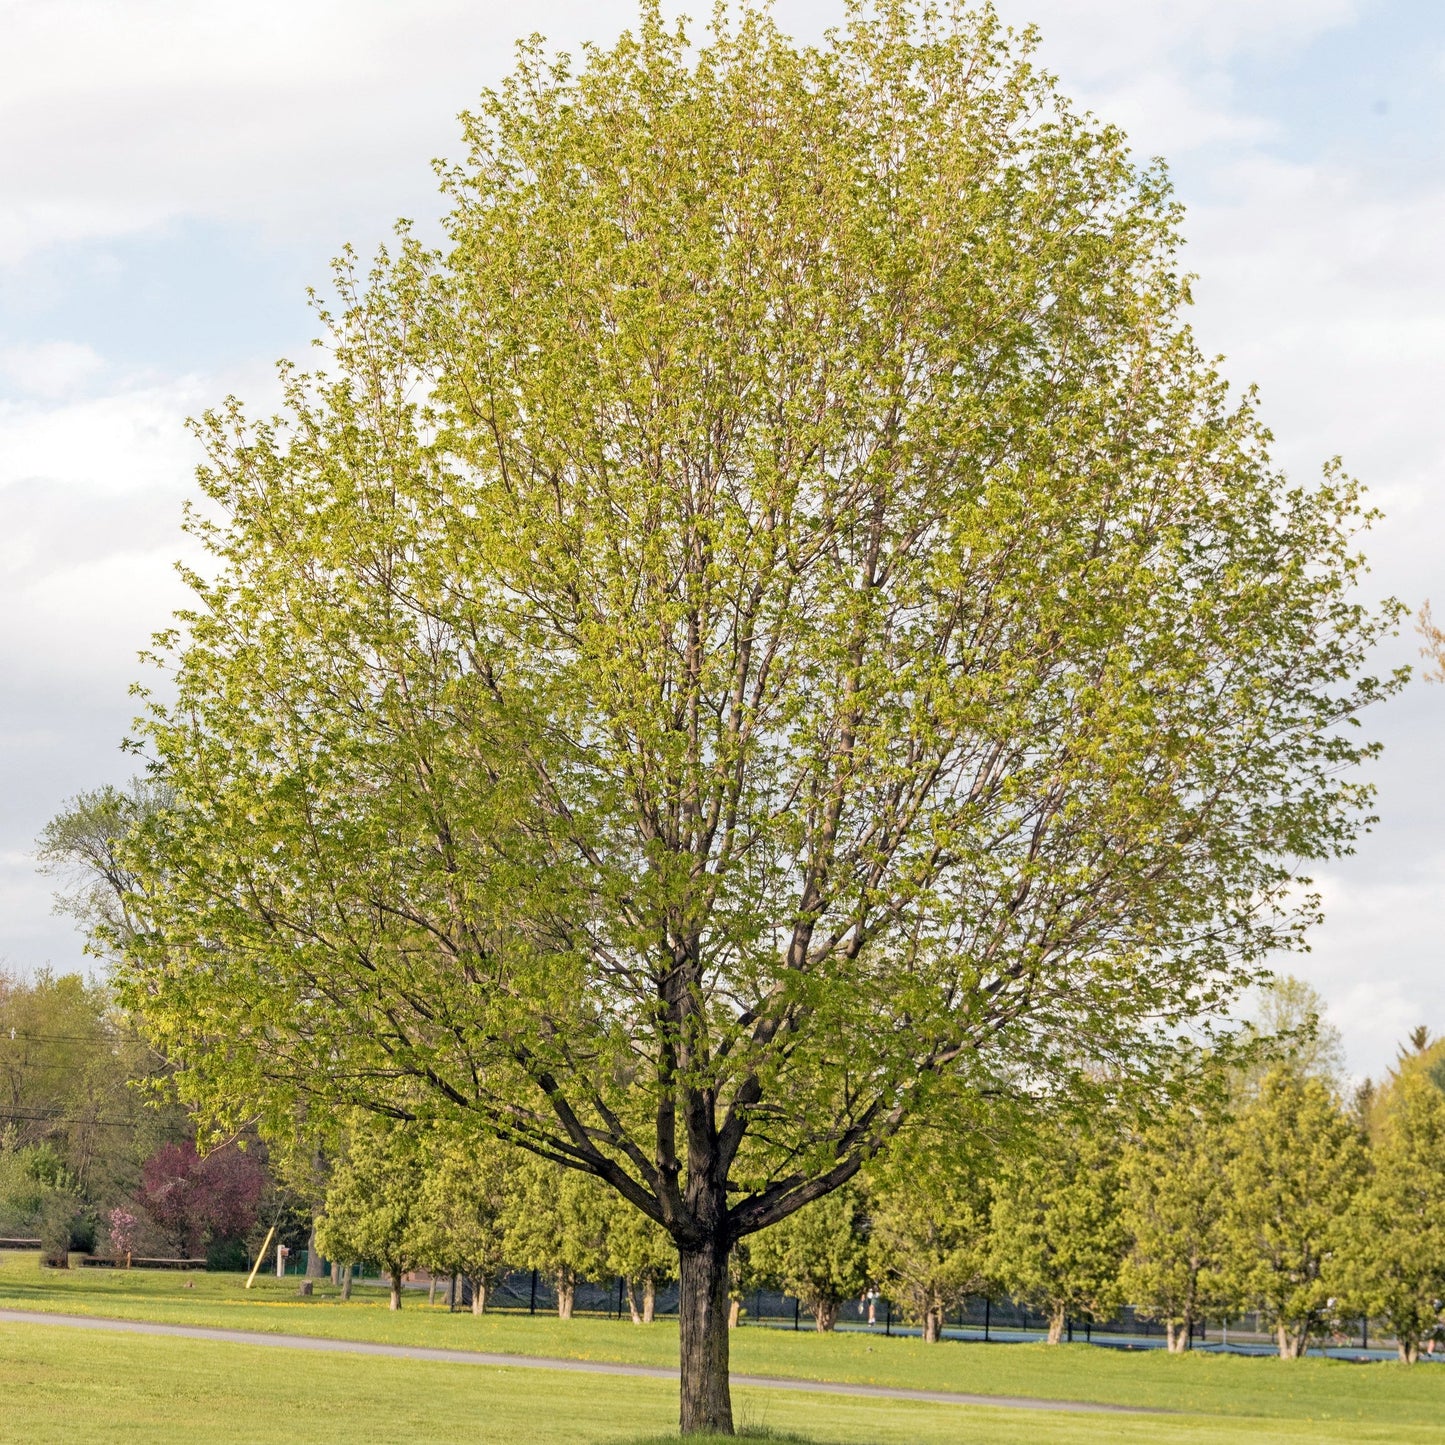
63	1378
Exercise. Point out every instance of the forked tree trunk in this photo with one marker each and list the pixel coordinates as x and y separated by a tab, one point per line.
825	1314
395	1289
649	1300
1408	1350
1057	1321
479	1297
566	1293
1179	1336
706	1400
1291	1342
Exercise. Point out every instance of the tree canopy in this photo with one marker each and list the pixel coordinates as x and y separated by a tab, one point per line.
775	609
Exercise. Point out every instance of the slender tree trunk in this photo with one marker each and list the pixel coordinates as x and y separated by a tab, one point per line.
633	1305
395	1289
346	1274
703	1339
735	1308
566	1293
479	1297
932	1325
1057	1321
431	1290
649	1300
313	1255
335	1272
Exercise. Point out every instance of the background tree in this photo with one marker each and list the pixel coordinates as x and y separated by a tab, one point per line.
928	1241
1434	647
558	1223
1173	1197
1392	1250
777	610
1294	1167
461	1225
1056	1239
373	1201
202	1201
643	1254
819	1255
1289	1027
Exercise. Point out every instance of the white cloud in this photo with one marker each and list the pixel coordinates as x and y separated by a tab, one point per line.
50	369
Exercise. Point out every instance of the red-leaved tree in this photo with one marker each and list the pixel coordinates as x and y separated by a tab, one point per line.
199	1200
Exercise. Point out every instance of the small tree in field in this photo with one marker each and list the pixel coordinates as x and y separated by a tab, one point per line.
460	1224
1173	1199
1056	1238
1392	1250
373	1203
776	611
1294	1166
819	1255
643	1254
557	1222
928	1241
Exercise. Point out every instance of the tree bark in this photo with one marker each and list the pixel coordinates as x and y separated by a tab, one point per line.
735	1308
479	1297
649	1300
346	1274
1179	1336
825	1314
932	1325
335	1272
566	1293
706	1399
1291	1342
633	1307
395	1289
1057	1320
1408	1350
431	1292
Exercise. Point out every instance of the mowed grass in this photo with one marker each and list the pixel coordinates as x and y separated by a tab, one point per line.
1308	1399
60	1384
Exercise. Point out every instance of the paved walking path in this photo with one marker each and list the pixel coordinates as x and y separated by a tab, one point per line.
540	1362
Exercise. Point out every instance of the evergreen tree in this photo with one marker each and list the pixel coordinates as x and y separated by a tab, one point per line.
1392	1256
460	1224
1056	1240
1173	1209
557	1222
372	1202
642	1254
819	1255
1295	1165
928	1243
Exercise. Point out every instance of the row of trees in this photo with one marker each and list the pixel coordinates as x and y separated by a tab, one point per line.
1259	1193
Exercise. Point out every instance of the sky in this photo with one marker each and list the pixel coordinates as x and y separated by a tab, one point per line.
176	173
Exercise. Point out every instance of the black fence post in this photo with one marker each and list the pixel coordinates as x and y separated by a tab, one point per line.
1088	1332
619	1297
532	1308
888	1321
1069	1325
797	1310
986	1304
1365	1333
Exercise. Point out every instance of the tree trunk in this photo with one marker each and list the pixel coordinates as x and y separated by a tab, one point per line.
825	1314
706	1399
633	1307
1291	1342
1409	1351
1057	1320
431	1291
735	1308
566	1292
395	1289
335	1272
1179	1336
346	1274
932	1326
649	1300
479	1297
313	1255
